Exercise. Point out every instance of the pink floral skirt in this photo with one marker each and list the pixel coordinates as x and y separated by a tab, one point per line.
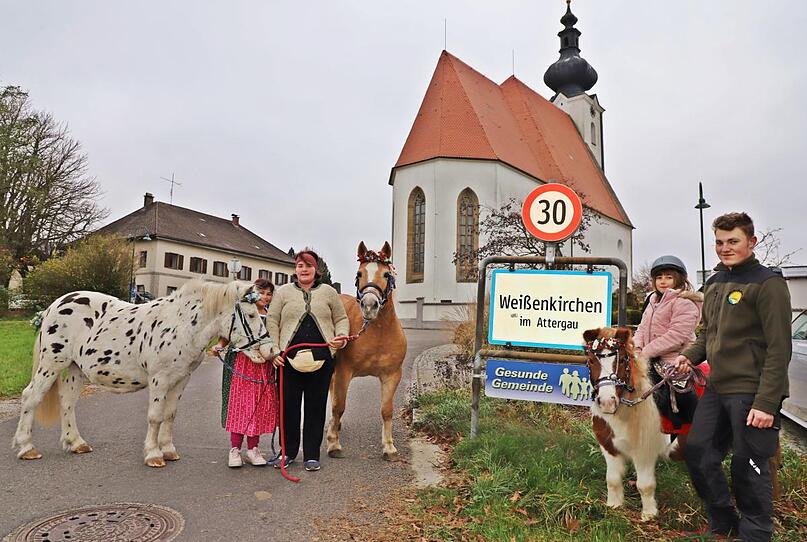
252	407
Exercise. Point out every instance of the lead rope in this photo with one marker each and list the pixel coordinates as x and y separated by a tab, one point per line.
695	378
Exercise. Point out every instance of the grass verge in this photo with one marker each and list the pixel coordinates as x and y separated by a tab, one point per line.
536	473
16	345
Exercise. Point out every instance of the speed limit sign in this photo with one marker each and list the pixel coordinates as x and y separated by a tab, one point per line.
552	212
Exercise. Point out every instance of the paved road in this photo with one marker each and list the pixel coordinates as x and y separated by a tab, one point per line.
218	503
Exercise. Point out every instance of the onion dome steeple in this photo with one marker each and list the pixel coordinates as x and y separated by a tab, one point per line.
571	74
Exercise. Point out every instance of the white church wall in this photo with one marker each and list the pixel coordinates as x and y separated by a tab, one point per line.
494	183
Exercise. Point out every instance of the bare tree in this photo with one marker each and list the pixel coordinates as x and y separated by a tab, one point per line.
504	234
768	249
47	199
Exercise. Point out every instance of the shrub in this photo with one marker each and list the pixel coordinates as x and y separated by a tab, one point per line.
4	297
97	263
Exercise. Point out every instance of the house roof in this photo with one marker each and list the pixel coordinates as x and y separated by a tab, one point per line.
466	115
165	221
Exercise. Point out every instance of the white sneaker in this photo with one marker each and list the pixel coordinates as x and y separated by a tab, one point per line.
234	459
255	458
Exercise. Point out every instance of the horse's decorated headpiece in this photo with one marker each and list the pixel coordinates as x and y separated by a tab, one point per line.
251	297
604	343
371	256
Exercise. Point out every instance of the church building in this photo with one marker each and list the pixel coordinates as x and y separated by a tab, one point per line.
476	144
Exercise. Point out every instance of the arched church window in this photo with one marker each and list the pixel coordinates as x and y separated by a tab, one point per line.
416	236
593	134
467	236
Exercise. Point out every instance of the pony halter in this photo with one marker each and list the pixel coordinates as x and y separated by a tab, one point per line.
383	293
252	340
613	344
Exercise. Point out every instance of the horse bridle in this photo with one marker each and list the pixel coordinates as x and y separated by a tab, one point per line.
596	346
383	293
252	340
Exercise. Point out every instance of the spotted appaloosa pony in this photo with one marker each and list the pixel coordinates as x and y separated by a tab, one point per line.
380	349
123	348
625	432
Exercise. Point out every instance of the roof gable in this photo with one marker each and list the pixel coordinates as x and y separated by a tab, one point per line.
466	115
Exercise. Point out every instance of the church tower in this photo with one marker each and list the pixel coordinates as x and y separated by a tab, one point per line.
570	77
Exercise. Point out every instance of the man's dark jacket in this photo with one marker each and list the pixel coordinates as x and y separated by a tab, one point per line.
746	333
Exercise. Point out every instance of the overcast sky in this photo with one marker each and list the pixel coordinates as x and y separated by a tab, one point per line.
291	114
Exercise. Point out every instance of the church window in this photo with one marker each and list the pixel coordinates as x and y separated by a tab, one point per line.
593	134
467	236
416	236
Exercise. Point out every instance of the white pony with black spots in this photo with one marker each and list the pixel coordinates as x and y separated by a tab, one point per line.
123	348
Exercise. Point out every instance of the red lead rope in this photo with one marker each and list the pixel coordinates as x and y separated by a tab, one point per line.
284	355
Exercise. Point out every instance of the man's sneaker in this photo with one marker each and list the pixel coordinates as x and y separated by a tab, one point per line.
255	458
276	462
234	460
311	465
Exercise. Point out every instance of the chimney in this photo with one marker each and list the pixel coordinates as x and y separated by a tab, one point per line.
148	199
235	220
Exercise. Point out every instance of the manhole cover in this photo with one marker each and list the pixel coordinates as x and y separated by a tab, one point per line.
120	522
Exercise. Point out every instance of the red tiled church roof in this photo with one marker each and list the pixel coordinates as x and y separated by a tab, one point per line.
466	115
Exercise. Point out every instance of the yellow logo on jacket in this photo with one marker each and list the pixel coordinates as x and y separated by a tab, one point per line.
734	297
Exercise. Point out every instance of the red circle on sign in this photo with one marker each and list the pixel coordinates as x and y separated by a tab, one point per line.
552	236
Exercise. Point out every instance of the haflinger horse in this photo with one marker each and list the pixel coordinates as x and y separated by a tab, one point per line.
123	348
379	350
625	432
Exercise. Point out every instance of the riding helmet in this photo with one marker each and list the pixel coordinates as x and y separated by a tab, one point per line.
668	262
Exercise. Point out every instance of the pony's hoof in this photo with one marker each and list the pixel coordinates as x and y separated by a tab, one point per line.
33	453
647	516
171	456
156	462
82	449
391	456
338	453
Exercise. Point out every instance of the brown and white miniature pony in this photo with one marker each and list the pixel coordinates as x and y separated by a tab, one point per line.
380	349
123	348
625	432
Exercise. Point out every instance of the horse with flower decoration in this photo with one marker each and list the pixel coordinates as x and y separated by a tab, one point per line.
124	348
379	350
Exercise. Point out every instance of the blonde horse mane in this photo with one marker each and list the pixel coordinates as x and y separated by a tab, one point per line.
216	298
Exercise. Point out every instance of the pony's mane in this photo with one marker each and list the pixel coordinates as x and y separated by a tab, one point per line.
215	297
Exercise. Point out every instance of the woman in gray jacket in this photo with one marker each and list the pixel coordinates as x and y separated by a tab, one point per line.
306	311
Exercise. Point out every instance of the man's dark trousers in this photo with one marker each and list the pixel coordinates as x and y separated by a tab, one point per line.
719	424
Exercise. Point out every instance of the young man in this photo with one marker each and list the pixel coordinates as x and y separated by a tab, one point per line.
746	338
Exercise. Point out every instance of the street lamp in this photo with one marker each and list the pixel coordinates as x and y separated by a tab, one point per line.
234	266
132	291
701	206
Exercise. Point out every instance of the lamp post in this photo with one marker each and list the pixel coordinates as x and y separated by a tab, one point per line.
701	206
234	267
132	293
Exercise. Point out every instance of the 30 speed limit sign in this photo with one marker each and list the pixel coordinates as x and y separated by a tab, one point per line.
552	212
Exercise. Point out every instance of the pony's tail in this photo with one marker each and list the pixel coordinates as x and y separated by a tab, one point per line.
47	412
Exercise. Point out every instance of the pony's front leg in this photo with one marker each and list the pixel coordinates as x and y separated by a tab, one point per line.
165	437
158	397
646	484
615	471
69	391
389	383
340	384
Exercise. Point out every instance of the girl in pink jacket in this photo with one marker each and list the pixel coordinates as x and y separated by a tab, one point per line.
673	311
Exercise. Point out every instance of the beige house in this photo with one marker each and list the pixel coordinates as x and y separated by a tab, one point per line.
171	245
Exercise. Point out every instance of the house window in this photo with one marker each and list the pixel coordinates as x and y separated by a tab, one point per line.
173	261
264	274
281	278
141	262
170	290
245	273
467	236
198	265
416	236
593	134
220	269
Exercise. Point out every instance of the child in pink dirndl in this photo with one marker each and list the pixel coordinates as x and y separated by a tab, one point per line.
250	396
